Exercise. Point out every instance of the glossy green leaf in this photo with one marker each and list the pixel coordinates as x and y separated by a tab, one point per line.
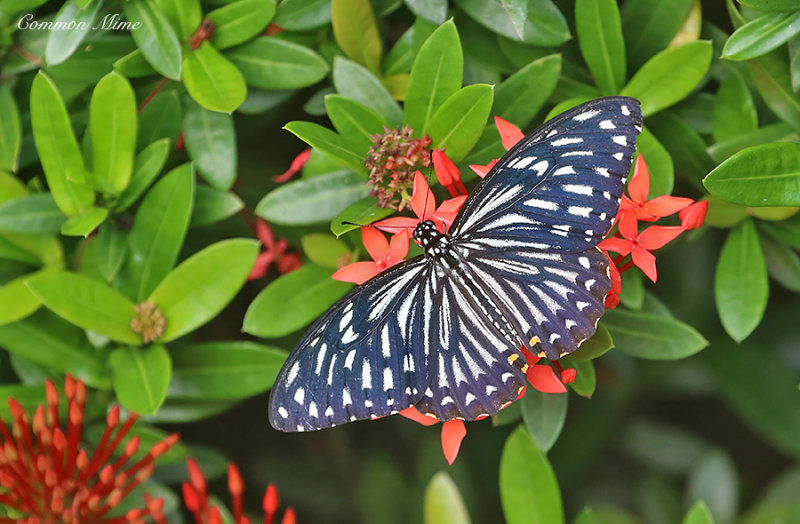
299	15
786	231
87	303
112	119
538	22
713	480
659	163
645	335
49	341
434	11
312	200
364	211
146	167
18	301
202	285
210	140
224	370
741	286
523	94
239	21
586	379
599	29
62	43
772	5
762	35
10	187
342	148
184	15
357	83
443	503
528	487
594	347
141	377
160	118
435	76
777	132
766	175
10	130
663	447
292	301
604	515
31	214
794	62
325	250
632	294
107	250
783	263
770	74
650	25
158	231
356	32
32	249
134	65
213	81
212	205
155	37
83	224
457	125
699	514
57	147
734	110
273	63
354	120
544	415
669	76
685	146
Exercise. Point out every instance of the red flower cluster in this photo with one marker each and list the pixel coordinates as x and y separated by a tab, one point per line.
48	477
195	496
275	251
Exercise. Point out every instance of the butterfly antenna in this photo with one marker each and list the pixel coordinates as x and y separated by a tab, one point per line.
348	223
430	175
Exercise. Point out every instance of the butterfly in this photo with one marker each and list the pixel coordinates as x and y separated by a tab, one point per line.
519	267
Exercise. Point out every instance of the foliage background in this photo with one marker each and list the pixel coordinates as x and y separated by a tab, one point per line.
668	425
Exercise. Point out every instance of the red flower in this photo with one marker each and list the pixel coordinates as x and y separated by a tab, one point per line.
195	496
694	215
641	245
637	207
47	476
384	255
294	168
509	136
423	203
448	174
612	299
275	251
453	431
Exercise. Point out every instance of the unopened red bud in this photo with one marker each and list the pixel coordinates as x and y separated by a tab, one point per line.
235	483
271	500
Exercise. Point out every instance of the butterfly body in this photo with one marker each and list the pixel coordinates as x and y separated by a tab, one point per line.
519	267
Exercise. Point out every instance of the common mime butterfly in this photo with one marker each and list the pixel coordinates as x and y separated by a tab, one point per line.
519	267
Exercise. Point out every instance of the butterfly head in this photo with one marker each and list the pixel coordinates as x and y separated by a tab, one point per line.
429	237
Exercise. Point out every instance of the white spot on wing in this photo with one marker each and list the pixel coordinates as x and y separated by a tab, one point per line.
566	141
607	124
620	139
578	189
299	396
586	115
282	412
579	211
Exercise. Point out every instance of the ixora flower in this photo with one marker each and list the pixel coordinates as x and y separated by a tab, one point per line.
195	496
384	255
47	476
275	251
392	162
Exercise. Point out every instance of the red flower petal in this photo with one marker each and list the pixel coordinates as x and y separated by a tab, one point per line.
482	171
646	261
509	133
569	375
422	200
693	216
264	233
398	248
656	237
453	432
263	261
446	172
449	209
544	379
639	184
376	244
413	413
628	226
617	245
357	272
666	205
294	168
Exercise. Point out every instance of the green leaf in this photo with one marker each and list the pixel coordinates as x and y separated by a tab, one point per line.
713	480
762	35
699	514
433	11
354	120
783	263
669	76
272	63
31	214
645	335
457	125
794	62
685	146
292	301
786	231
443	502
312	200
594	347
184	15
324	250
585	380
659	164
364	211
544	415
155	37
87	303
777	132
599	29
355	82
604	515
239	21
299	15
108	250
528	488
82	225
538	22
650	25
224	370
766	175
342	148
523	94
112	122
771	5
435	76
51	342
770	74
356	32
62	43
201	286
212	205
212	80
18	301
146	167
741	286
158	231
211	143
161	118
10	130
141	377
134	65
57	147
734	111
